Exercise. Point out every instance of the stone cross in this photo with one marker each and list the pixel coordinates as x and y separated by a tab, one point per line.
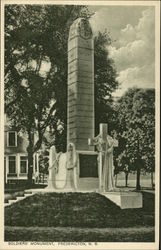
100	142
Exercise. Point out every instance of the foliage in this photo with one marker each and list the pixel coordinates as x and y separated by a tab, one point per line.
44	161
136	119
105	80
36	72
36	68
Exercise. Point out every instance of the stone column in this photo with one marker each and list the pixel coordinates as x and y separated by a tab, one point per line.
80	125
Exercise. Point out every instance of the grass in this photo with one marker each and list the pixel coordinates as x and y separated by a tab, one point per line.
60	234
77	210
79	217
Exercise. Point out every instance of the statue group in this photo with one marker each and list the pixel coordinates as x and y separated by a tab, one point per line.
104	147
69	163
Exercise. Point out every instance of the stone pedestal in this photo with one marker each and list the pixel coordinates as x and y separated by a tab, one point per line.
125	200
80	124
87	174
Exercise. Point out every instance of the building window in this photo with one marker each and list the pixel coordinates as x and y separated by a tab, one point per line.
12	164
23	164
12	139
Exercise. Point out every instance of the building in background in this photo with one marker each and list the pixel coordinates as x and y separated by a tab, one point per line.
15	157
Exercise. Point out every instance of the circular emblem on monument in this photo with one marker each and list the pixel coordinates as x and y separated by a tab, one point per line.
85	30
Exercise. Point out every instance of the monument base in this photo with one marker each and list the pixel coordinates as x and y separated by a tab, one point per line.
88	184
125	200
87	174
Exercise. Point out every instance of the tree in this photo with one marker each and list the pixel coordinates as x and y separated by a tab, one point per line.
36	72
35	97
136	115
105	81
123	165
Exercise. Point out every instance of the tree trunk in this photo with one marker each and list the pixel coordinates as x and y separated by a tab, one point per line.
138	187
138	167
116	180
126	179
152	180
30	167
30	157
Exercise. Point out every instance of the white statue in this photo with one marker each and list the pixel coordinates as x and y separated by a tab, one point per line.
53	165
108	168
105	159
71	166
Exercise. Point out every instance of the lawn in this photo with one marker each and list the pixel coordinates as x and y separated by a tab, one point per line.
145	180
79	211
70	234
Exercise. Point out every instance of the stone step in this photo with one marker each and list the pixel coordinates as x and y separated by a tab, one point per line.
27	195
12	201
28	191
20	198
11	198
6	204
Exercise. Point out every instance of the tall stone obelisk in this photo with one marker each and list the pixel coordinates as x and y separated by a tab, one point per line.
80	125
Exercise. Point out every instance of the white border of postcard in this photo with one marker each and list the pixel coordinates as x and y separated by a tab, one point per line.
77	245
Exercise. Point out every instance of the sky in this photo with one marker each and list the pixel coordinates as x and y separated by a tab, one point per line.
132	29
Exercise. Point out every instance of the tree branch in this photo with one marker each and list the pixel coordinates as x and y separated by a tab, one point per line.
49	116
